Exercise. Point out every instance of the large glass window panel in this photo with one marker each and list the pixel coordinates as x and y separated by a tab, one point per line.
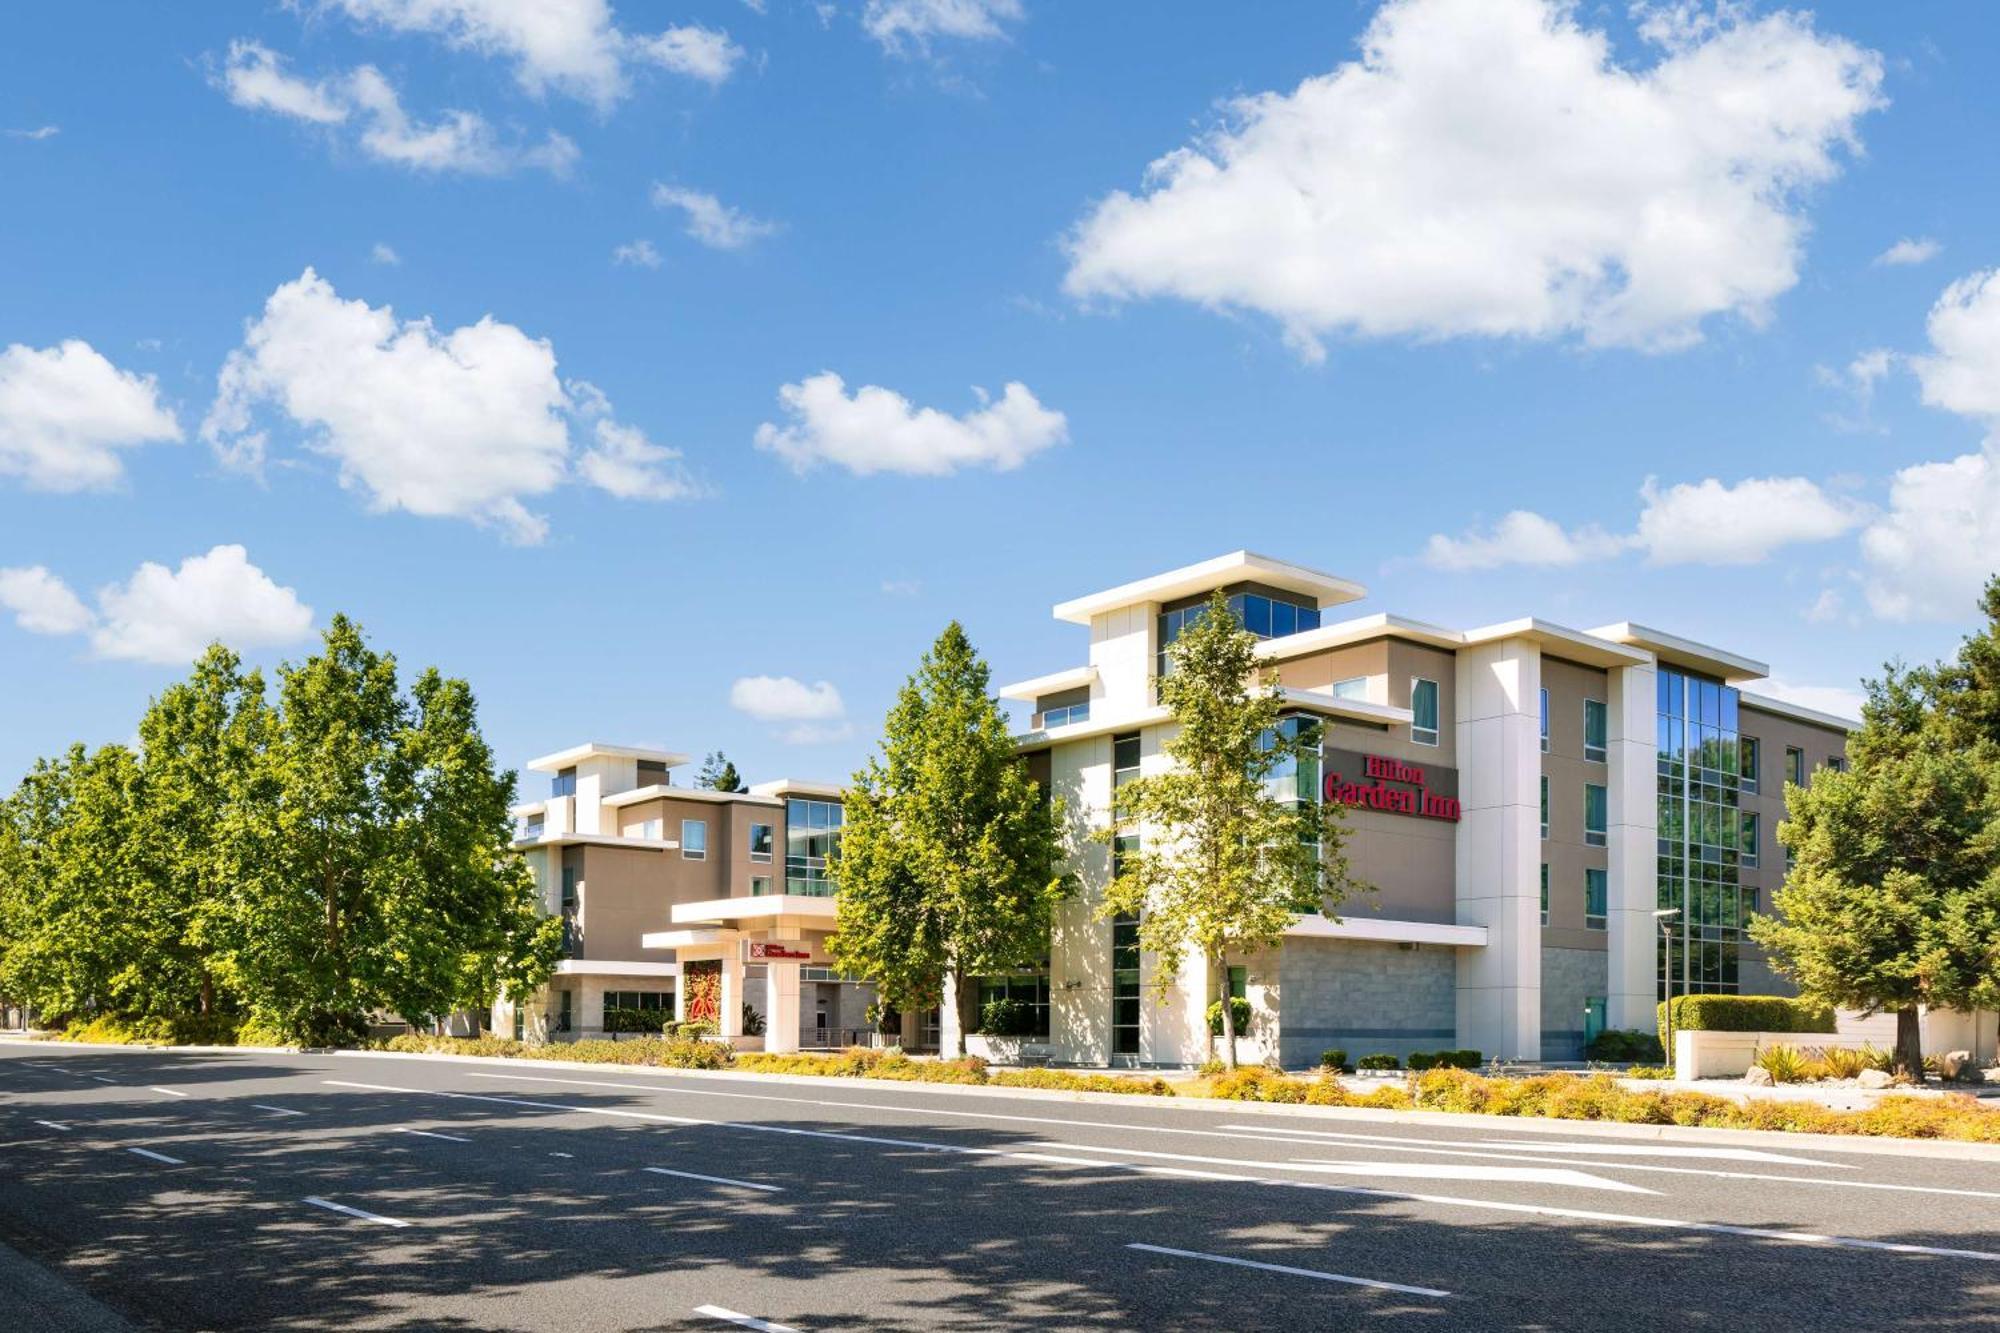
1424	711
694	839
760	842
1596	730
1284	619
1595	814
1596	897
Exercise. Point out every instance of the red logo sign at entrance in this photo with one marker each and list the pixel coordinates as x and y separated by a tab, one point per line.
1391	785
778	953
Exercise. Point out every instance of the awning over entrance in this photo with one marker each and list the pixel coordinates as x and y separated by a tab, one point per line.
1393	932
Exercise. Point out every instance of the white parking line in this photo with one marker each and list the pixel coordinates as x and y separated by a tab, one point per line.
429	1134
562	1154
1445	1200
1531	1175
157	1156
169	1091
101	1079
361	1213
53	1124
743	1320
715	1180
1287	1268
276	1110
1553	1147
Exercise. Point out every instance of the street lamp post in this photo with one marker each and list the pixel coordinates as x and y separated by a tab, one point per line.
1665	916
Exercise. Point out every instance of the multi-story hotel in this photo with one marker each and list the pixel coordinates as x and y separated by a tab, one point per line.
1523	797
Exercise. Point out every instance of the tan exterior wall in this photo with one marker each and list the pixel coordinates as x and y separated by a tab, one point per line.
1564	850
1774	734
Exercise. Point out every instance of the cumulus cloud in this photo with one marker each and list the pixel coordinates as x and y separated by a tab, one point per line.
164	615
910	27
571	46
1933	549
1920	250
879	430
464	423
1839	700
383	253
1705	522
365	102
638	254
811	714
38	133
65	412
43	603
711	221
1487	168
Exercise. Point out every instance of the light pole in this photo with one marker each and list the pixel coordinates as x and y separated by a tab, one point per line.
1665	916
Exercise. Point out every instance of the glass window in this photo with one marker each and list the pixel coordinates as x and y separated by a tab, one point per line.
760	842
760	886
1284	619
1596	730
1424	711
1595	896
1795	766
1545	893
1545	721
1125	985
1239	983
694	839
1747	841
1124	759
1122	846
1545	805
1354	687
1746	763
563	783
1595	818
812	837
1838	763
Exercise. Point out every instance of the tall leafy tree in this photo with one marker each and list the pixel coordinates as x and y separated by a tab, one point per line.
1231	851
950	860
718	773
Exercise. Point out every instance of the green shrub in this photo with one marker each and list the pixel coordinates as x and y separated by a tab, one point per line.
1254	1083
1785	1064
1460	1059
663	1052
1007	1018
1649	1072
753	1022
1379	1060
1064	1080
696	1030
1240	1007
1422	1060
1619	1045
1333	1059
619	1019
1745	1013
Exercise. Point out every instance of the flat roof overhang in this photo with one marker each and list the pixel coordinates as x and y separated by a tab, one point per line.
1035	687
576	754
685	939
768	909
1765	703
610	967
596	840
1190	580
1730	668
655	792
1322	927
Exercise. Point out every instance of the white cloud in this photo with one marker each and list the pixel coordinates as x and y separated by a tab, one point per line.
384	254
878	430
571	46
38	133
711	221
786	699
1705	522
1920	250
465	423
42	603
169	616
1521	538
254	77
622	461
65	412
1709	523
908	27
1930	554
639	254
1487	169
901	587
1828	607
1839	700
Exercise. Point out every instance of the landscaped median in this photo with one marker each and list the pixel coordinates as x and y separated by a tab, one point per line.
1548	1096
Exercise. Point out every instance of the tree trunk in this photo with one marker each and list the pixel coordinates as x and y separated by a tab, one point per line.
1221	964
207	995
951	1020
1910	1043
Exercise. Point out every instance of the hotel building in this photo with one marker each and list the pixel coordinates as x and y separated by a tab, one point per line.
1522	797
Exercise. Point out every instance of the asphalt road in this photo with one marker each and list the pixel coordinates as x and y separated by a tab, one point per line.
322	1191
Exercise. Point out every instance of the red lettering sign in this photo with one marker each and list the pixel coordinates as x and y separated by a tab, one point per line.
1409	797
778	953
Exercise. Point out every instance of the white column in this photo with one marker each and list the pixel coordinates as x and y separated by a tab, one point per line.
729	1023
951	1027
1498	732
1632	888
781	1006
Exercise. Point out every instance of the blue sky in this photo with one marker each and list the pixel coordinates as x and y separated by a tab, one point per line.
1416	268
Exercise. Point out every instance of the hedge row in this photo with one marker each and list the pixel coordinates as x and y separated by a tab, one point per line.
663	1052
1744	1013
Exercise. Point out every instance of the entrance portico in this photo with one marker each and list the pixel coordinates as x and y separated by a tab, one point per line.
779	932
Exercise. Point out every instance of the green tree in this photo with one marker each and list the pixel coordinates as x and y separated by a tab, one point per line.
1233	850
1893	901
372	855
950	861
718	774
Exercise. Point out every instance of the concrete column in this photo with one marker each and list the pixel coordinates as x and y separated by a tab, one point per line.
781	1006
951	1024
1498	730
1633	870
729	1022
912	1030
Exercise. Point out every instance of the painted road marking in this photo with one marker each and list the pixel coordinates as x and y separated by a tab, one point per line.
1545	1148
101	1079
743	1320
276	1110
157	1156
1445	1200
562	1154
1287	1268
715	1180
169	1091
361	1213
1530	1175
53	1124
429	1134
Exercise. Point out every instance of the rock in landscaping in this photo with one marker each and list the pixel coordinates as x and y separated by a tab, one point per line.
1953	1064
1873	1078
1757	1078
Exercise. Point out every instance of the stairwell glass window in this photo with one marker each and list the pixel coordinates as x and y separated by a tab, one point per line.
563	783
1596	821
760	842
1545	805
1545	893
1746	764
1746	843
1545	721
1596	731
1795	766
1424	711
1596	896
694	839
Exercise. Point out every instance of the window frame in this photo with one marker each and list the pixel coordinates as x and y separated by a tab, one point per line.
1596	920
1545	718
770	842
689	853
1436	728
1749	763
1599	753
1597	837
1545	807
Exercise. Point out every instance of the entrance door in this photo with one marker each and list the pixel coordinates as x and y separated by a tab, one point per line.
1593	1018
